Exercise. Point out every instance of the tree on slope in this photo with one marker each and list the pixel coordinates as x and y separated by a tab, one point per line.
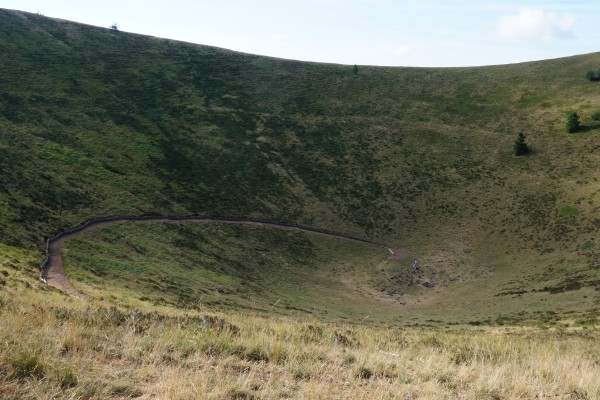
521	147
573	124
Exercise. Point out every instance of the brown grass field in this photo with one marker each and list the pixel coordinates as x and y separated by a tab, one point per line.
54	346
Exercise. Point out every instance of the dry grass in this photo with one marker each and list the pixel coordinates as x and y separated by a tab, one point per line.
88	351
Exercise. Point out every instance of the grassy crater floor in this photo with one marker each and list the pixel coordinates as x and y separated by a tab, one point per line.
266	270
244	267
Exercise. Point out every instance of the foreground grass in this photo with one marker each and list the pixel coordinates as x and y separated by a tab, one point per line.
57	347
64	348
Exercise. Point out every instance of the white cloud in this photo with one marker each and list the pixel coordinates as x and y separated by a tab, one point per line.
535	24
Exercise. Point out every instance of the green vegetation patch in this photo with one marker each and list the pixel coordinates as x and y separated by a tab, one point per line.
239	266
567	211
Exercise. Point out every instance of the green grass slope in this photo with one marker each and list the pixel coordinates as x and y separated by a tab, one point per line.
255	269
98	122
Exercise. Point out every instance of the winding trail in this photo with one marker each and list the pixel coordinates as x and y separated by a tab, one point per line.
53	273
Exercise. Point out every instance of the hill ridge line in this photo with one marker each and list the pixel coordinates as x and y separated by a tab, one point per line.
52	271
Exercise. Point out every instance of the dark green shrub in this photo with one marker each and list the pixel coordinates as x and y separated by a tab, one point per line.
596	116
594	76
520	146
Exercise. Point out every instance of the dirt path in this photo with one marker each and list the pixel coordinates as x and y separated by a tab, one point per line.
53	273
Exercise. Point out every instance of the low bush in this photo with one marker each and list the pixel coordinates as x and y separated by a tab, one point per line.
593	76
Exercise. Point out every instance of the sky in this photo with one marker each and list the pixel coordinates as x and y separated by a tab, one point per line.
426	33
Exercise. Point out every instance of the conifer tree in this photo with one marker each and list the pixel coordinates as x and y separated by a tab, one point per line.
521	147
573	122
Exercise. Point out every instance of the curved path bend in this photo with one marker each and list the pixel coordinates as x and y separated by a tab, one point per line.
53	273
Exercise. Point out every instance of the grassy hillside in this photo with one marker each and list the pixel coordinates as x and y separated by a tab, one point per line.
101	122
504	303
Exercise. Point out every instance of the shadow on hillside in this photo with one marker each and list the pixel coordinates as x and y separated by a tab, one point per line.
587	128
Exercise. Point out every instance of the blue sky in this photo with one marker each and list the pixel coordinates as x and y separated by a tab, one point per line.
374	32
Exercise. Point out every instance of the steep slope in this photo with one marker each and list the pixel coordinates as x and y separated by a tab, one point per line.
98	122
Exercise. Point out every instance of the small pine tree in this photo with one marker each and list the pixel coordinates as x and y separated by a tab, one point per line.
521	147
573	122
355	69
